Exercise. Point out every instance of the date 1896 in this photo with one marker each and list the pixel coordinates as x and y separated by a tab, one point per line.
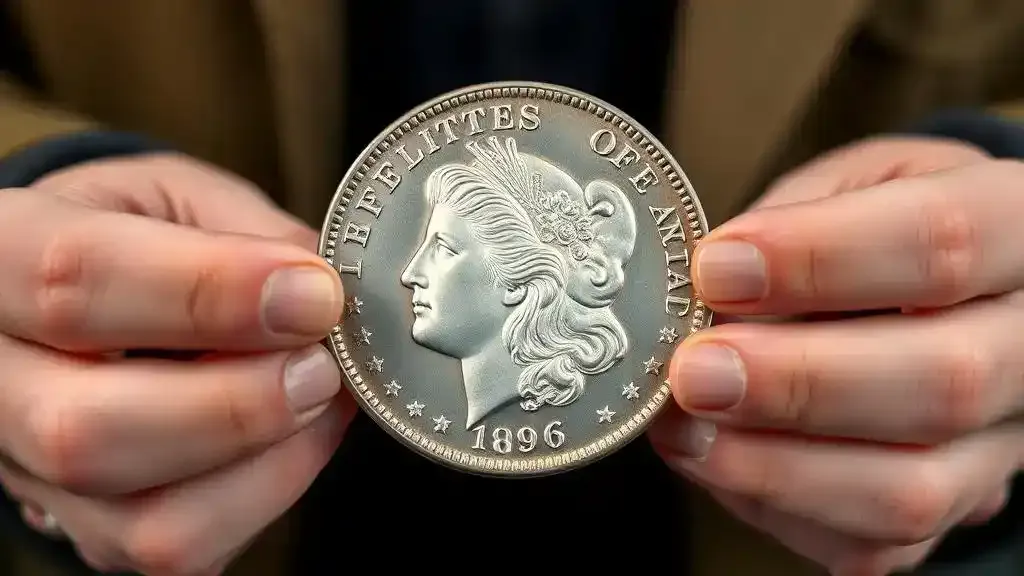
503	247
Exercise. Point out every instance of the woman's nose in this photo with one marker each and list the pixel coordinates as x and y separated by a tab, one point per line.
412	275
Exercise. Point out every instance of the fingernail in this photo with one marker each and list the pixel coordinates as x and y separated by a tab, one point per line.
311	378
697	439
300	301
709	377
731	271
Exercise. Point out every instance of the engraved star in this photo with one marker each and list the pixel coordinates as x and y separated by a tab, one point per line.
668	335
652	366
375	364
630	391
354	306
362	337
441	424
604	415
415	409
392	388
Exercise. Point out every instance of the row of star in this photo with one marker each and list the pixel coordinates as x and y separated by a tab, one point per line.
376	365
629	391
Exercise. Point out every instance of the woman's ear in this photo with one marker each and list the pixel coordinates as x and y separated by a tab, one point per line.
514	296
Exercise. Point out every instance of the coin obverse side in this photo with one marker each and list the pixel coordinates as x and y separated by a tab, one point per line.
516	258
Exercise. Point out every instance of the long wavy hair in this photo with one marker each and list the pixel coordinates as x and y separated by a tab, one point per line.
558	340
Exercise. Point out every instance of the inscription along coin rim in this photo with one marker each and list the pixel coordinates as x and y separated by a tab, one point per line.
608	442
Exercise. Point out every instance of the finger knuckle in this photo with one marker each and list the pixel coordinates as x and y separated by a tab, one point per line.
247	418
919	506
61	292
960	395
796	400
810	282
203	300
59	444
950	249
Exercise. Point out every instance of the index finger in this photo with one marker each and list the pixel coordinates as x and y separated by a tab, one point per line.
920	379
82	279
921	242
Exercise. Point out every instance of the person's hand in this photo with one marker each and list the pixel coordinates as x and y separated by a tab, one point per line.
881	406
158	465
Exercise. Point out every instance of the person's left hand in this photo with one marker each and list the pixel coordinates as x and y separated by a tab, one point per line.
882	409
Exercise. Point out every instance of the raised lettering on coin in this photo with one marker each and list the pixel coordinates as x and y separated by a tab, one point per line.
518	260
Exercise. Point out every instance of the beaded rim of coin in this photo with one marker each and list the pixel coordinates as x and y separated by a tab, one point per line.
361	384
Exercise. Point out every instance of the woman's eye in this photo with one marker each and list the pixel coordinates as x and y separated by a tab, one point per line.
445	250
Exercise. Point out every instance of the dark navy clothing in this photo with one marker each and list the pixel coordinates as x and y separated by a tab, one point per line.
616	50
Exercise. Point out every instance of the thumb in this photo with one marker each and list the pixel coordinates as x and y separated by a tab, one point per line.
867	163
178	189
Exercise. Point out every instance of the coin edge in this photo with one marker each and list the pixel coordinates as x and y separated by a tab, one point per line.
604	445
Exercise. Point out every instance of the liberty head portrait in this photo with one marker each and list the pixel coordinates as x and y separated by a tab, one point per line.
515	277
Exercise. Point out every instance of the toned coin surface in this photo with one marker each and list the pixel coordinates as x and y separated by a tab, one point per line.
516	259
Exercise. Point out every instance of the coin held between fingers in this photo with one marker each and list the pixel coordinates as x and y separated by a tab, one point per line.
301	301
529	283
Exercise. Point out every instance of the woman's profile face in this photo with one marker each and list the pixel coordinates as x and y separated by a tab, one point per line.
457	307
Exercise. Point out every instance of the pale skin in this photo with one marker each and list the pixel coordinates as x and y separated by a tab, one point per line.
162	252
148	465
860	442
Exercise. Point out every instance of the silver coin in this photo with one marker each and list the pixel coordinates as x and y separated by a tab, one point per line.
516	258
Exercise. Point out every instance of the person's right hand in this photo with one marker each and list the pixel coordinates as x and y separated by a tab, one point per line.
153	465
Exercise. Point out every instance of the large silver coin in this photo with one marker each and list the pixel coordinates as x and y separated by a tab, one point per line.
516	258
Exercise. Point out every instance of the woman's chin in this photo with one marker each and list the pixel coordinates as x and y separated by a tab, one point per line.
423	334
